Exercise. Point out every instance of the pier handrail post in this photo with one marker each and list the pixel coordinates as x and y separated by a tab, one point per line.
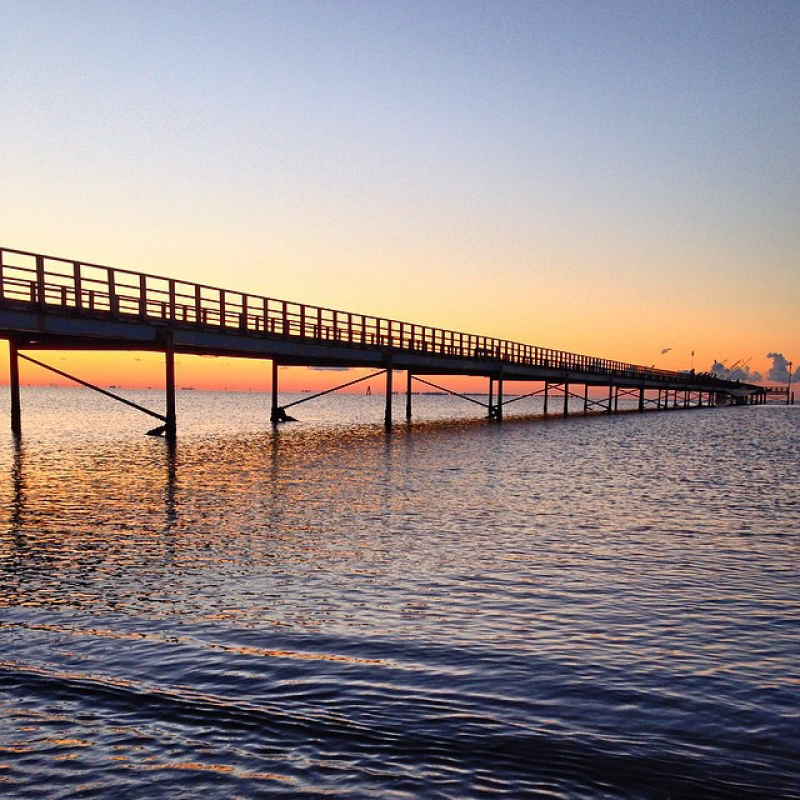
77	284
142	296
172	299
40	281
113	302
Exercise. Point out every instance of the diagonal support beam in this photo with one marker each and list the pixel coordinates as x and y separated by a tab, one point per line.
590	403
551	386
524	396
650	402
450	391
95	388
329	391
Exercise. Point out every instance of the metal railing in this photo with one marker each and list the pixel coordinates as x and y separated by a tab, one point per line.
61	285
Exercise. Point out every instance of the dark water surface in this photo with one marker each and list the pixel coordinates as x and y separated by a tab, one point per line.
591	608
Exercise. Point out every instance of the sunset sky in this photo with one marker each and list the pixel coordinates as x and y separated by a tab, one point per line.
610	178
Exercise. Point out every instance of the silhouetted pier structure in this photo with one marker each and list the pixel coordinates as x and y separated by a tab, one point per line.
784	395
50	303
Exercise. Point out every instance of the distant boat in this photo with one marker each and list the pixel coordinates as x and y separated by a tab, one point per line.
368	393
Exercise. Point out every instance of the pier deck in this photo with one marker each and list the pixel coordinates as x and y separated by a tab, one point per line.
54	303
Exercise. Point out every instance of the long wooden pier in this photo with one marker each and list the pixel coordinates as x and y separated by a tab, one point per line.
51	303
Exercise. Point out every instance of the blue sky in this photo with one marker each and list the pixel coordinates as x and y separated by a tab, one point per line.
611	177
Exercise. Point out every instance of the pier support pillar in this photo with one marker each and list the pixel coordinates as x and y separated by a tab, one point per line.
499	407
273	412
616	399
277	413
387	415
170	427
586	398
641	398
610	398
566	399
408	396
13	384
491	398
546	392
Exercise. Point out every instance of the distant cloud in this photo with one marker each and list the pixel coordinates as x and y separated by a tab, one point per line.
743	373
779	371
665	351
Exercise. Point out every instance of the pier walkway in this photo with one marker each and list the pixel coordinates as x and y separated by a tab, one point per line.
51	303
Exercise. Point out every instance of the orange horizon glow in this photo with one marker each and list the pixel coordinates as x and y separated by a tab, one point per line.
145	370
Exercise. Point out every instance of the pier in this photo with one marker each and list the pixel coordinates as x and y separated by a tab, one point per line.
52	303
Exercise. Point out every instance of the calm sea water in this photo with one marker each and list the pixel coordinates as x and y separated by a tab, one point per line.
602	607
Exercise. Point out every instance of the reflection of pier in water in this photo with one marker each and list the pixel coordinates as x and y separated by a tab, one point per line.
53	525
49	303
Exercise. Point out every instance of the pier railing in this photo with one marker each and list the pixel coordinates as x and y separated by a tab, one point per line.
62	286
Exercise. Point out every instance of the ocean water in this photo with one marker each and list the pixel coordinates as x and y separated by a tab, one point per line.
597	607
